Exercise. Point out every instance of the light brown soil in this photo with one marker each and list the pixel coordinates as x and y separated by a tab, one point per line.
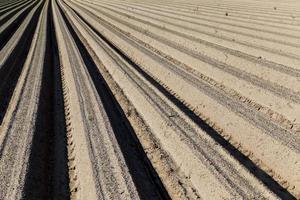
149	99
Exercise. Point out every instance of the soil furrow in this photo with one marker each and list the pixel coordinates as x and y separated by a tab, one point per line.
10	12
149	99
19	125
162	107
229	50
273	87
224	99
10	67
289	22
102	23
236	39
139	166
102	157
230	18
8	29
219	26
170	14
9	4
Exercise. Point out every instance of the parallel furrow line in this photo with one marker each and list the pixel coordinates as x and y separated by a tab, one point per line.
169	60
116	47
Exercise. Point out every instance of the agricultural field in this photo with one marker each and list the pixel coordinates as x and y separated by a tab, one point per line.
149	99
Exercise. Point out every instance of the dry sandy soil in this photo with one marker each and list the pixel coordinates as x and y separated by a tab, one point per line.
149	99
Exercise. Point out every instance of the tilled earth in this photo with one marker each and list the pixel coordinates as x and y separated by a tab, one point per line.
148	99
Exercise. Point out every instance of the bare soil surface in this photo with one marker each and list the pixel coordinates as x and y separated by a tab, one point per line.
148	99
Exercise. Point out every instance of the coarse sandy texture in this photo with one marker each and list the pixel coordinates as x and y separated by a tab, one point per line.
17	127
148	99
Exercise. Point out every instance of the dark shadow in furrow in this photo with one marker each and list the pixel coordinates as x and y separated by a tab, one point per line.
8	4
5	19
4	5
11	70
268	181
10	30
47	176
147	181
7	9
